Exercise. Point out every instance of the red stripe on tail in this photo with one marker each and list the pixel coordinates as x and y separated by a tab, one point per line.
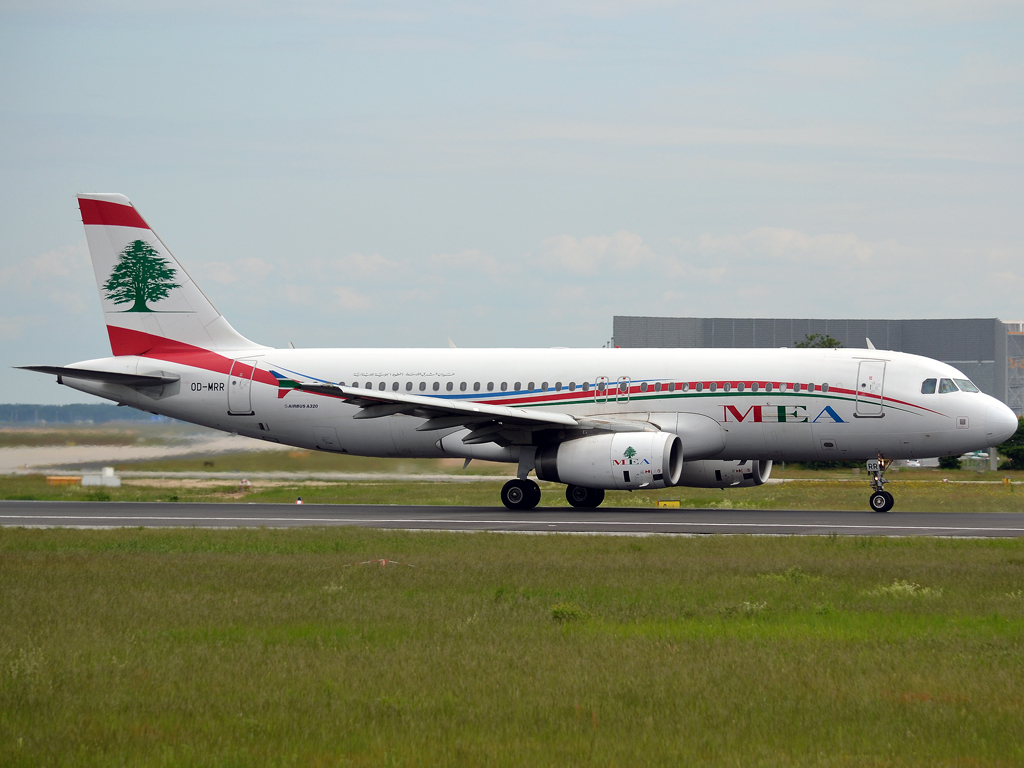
125	341
109	214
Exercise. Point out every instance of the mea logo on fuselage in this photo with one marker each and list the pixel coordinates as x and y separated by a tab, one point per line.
779	414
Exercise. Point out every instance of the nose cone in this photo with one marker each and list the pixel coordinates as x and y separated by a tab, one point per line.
1000	423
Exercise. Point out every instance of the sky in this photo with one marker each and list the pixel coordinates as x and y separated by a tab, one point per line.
390	174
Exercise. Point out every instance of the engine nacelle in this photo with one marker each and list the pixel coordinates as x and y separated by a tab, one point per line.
725	474
619	461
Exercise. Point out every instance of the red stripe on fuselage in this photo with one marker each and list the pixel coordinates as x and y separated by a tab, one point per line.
124	341
109	214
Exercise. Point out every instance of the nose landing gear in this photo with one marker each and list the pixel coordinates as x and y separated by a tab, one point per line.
881	500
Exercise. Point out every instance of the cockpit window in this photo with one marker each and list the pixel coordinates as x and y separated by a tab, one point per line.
928	387
946	385
966	385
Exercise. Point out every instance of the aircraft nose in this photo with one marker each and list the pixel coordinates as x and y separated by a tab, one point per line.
1000	423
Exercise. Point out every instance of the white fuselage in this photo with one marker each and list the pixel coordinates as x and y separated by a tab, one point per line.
778	404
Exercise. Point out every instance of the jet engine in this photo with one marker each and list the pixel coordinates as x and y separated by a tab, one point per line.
618	461
725	474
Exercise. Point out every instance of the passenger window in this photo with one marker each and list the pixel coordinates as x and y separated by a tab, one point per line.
504	386
754	387
341	383
558	386
423	386
449	386
543	386
824	387
394	387
517	386
586	386
369	385
928	386
700	386
671	386
643	386
714	386
739	387
966	385
727	386
437	386
657	386
382	386
476	386
946	385
601	386
768	387
408	386
462	386
572	386
490	386
529	387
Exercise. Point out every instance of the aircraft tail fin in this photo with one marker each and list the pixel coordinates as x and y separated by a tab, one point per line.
149	301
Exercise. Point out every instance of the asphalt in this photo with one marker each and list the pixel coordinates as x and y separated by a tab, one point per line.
84	514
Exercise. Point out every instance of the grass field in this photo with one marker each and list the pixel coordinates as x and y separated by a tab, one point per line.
911	495
264	647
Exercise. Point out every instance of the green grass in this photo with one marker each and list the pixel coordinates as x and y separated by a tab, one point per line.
264	647
911	496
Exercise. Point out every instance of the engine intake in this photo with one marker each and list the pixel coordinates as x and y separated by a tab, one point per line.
725	474
619	461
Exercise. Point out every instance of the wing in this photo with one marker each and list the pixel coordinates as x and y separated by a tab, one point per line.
487	423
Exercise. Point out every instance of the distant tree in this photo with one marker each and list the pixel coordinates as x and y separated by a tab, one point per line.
1013	449
140	275
949	462
818	341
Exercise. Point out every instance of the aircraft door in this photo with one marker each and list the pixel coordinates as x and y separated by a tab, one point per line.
240	387
870	381
601	389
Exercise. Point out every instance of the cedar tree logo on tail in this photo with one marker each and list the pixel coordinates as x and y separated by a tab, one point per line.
140	275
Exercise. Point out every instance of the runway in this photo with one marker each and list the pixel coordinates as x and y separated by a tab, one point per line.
83	514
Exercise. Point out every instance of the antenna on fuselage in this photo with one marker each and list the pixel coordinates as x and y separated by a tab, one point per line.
870	345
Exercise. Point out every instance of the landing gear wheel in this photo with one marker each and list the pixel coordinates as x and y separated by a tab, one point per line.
882	501
579	496
520	494
534	493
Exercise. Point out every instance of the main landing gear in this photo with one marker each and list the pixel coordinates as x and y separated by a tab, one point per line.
520	494
579	496
881	500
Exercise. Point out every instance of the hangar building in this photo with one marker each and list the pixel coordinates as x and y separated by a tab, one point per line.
989	351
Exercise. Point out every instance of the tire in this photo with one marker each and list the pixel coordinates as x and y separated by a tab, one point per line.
879	502
891	501
534	494
578	496
520	494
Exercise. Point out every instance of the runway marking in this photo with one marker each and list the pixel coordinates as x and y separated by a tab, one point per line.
454	521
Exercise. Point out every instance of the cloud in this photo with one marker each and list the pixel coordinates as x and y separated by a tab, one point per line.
351	301
361	265
469	260
11	327
593	254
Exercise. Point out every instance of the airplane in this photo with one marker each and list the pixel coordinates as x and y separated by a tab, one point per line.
591	419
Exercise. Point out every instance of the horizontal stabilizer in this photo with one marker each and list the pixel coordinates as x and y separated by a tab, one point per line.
108	377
